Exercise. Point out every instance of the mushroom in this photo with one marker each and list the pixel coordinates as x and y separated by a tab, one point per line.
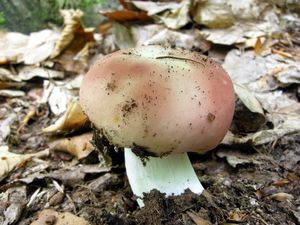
159	102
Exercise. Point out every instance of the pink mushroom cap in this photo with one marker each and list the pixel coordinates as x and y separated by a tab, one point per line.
162	99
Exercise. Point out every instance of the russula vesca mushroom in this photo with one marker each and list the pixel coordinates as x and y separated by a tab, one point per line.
164	100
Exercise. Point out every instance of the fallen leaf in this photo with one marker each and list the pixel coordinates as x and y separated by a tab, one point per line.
70	175
197	219
73	119
247	67
237	216
11	45
57	96
123	37
244	67
72	24
30	49
80	146
278	101
9	160
258	46
260	137
40	46
172	14
242	31
213	14
248	99
49	216
166	37
282	197
235	158
126	15
26	73
74	39
13	202
153	8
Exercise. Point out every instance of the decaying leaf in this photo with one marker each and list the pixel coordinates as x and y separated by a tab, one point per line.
70	175
248	67
49	216
282	197
40	46
278	101
123	37
28	49
167	37
235	158
29	72
57	96
172	14
80	146
245	67
11	45
197	219
248	99
126	15
12	204
72	119
213	13
72	24
9	160
74	39
260	137
237	216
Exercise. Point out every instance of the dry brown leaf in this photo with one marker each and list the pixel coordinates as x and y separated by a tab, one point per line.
72	24
237	216
79	146
197	219
9	160
49	216
126	15
258	46
73	119
282	197
74	38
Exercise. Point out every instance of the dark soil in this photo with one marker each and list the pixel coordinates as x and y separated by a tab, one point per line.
251	193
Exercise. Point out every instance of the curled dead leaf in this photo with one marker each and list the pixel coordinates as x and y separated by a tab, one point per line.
79	146
73	119
72	24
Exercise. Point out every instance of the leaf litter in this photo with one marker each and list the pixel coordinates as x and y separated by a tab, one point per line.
249	178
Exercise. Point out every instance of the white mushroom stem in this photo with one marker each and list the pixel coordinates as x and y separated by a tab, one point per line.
171	174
